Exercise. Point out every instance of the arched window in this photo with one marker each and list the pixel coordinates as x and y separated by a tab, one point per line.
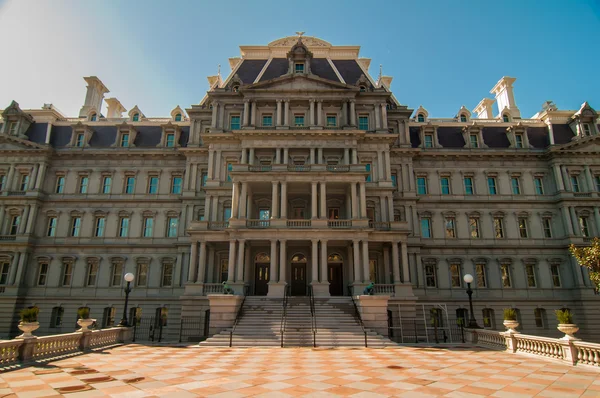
298	258
136	117
363	89
335	258
420	118
505	118
178	117
262	258
93	117
463	118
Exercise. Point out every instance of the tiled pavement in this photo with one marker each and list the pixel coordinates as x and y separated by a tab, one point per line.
160	371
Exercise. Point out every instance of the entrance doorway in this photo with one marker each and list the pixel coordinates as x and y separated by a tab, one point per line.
298	275
262	264
335	276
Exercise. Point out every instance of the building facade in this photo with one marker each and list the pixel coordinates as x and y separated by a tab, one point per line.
298	170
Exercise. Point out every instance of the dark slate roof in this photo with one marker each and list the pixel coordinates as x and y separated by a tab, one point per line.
495	137
103	136
147	136
322	68
249	70
349	70
37	132
60	136
562	133
415	139
277	67
451	137
538	137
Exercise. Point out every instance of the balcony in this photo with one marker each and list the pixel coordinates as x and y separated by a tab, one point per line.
315	224
279	168
258	223
339	223
380	225
8	237
299	223
218	224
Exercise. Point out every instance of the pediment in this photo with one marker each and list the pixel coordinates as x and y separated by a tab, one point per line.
298	82
9	143
587	144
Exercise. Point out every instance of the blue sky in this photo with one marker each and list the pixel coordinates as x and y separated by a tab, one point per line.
442	54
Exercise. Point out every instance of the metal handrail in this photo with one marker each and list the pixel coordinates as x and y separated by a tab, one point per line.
283	314
357	313
237	319
313	315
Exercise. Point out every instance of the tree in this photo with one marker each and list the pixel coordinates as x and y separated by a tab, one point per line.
589	257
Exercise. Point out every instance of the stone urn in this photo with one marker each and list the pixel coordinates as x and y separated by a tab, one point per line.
511	325
27	328
569	329
85	324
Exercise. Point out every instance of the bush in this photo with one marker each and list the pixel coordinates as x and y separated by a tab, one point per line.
564	316
510	314
29	314
83	313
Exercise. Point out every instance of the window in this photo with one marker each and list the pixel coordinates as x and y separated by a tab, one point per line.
428	141
4	270
129	185
474	227
394	180
224	267
455	278
539	315
481	275
519	140
299	68
75	226
57	317
539	185
66	274
2	182
42	274
331	121
99	227
586	129
115	276
12	128
426	227
106	182
333	213
583	225
450	226
123	227
142	275
172	227
93	117
530	272
469	186
171	139
178	117
547	226
51	231
83	184
596	178
203	178
488	318
555	271
523	227
24	182
136	117
161	316
505	118
167	275
229	170
299	120
462	316
499	227
176	185
492	185
267	121
148	224
463	118
373	270
445	183
363	122
505	274
108	318
60	184
235	122
226	213
80	140
368	170
14	225
422	185
153	185
92	273
474	139
124	140
574	183
516	186
430	277
420	118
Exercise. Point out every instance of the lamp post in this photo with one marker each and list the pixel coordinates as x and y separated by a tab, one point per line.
128	278
468	278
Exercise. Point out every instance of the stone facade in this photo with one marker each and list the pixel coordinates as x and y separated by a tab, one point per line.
299	170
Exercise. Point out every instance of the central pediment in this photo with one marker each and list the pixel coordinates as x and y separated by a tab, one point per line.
293	82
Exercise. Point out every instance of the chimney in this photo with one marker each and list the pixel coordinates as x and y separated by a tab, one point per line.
115	109
94	96
484	109
503	90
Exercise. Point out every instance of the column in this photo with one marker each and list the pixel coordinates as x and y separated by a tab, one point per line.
33	179
192	267
282	262
315	261
588	179
313	201
596	218
355	214
323	200
213	121
388	167
277	156
210	266
363	200
312	112
207	207
377	118
278	116
383	208
411	177
246	111
405	270
386	265
365	261
350	261
346	155
218	166
244	156
380	176
284	199
253	114
32	216
2	211
243	200
352	113
354	156
273	265
18	281
251	156
286	113
48	132
566	180
235	200
215	208
275	200
356	258
320	113
574	221
567	221
202	264
231	264
23	222
193	177
557	174
384	116
13	268
286	155
320	156
390	200
239	276
312	156
395	262
10	178
344	121
211	162
324	261
40	176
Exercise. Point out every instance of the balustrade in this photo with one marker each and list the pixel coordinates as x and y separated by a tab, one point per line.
218	224
298	223
258	223
587	353
539	346
299	168
384	288
339	223
9	352
212	288
491	338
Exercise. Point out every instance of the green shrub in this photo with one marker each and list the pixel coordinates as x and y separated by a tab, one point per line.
510	314
83	313
29	314
564	316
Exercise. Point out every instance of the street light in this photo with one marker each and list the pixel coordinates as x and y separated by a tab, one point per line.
128	278
468	278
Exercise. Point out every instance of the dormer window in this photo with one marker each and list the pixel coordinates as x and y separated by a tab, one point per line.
235	89
428	141
171	135
12	128
519	140
363	89
505	118
299	68
124	140
80	140
93	117
178	117
170	140
586	130
463	118
474	140
136	117
421	118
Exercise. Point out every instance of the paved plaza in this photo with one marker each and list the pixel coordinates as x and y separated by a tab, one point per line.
161	371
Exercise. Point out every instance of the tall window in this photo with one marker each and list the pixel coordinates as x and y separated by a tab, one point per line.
57	317
172	230
539	315
586	129
167	275
575	183
428	141
597	180
153	184
299	68
229	170
42	274
24	182
523	233
136	117
369	177
176	185
142	274
148	225
530	272
474	139
129	185
539	185
3	182
421	118
469	186
463	118
584	226
14	225
492	185
93	117
450	226
422	185
83	184
226	213
108	318
12	128
106	183
92	274
204	178
235	122
299	120
124	140
430	275
267	121
505	274
516	186
178	117
331	121
445	185
51	226
555	271
123	227
363	122
80	140
498	227
505	118
171	140
426	227
75	226
60	184
99	227
519	140
547	226
481	275
67	273
115	275
394	180
4	270
474	227
488	318
455	278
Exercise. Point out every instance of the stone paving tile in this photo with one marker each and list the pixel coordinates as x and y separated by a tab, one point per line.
162	371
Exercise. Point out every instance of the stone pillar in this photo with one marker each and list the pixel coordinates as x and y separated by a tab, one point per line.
239	276
33	179
40	176
278	116
574	221
13	268
193	262
235	200
253	114
320	156
275	200
315	261
363	200
251	156
243	200
312	156
588	178
18	281
566	179
558	175
411	177
323	200
23	221
31	218
48	133
213	121
405	270
354	156
211	162
9	179
384	121
231	264
313	201
277	156
388	167
377	118
202	264
286	155
346	155
356	259
2	212
284	200
365	261
395	262
380	176
273	265
286	113
390	201
386	266
324	261
320	113
567	221
312	112
351	262
344	121
246	112
244	156
210	266
352	113
215	208
282	262
218	166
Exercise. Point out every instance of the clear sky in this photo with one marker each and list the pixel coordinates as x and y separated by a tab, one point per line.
442	54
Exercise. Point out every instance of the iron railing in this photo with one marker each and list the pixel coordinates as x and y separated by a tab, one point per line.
283	314
313	315
237	320
357	314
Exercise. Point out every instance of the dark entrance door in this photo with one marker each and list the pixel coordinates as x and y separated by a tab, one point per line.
261	279
335	278
298	279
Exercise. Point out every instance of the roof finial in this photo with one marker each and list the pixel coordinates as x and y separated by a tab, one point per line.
299	34
219	71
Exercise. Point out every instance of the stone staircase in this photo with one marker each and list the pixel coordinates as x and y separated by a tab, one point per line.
260	325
